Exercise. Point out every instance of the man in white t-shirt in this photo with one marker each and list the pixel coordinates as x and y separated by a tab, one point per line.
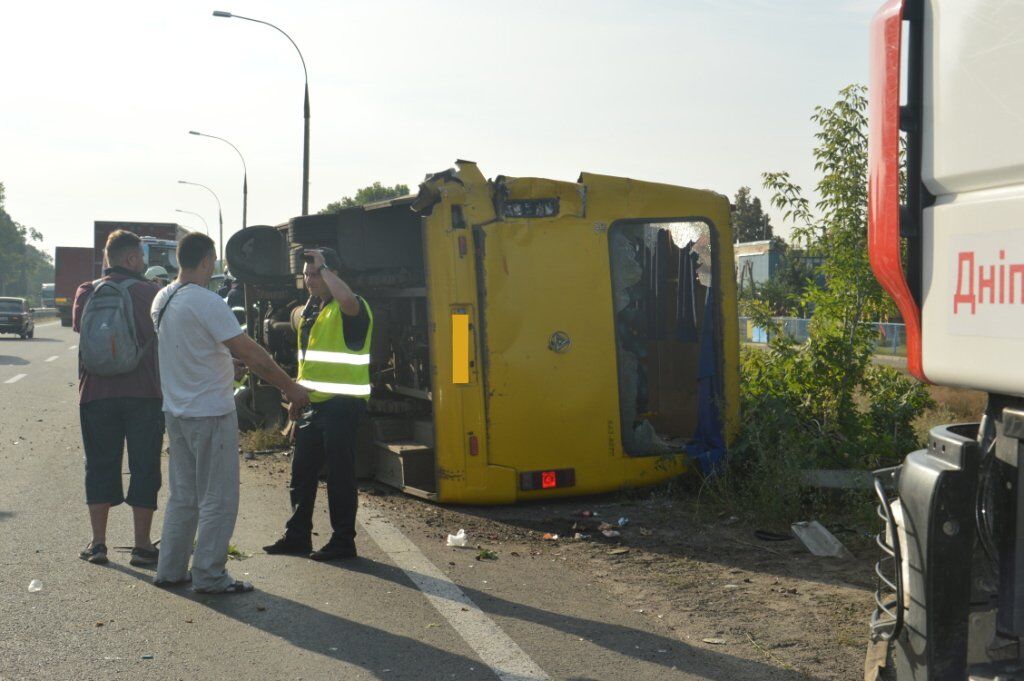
198	334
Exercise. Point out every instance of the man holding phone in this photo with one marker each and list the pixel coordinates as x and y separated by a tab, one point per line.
334	362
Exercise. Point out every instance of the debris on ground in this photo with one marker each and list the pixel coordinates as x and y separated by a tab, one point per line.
549	536
623	521
459	539
35	586
714	641
820	541
611	534
486	554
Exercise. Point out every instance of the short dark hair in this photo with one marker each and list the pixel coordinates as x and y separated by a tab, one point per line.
120	241
331	258
192	248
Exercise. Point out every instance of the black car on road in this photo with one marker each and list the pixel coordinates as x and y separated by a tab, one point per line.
16	317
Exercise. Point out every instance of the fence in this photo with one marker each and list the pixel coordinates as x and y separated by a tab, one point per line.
891	340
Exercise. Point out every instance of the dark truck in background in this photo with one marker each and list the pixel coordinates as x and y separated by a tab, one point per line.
74	265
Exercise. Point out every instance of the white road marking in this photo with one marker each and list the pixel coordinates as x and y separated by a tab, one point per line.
50	359
15	378
39	326
499	652
73	347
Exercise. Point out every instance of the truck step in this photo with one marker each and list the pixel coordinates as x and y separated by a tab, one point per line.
408	466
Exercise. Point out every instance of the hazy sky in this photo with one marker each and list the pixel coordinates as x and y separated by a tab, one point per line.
96	99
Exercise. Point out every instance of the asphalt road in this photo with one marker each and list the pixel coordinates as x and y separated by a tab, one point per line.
409	608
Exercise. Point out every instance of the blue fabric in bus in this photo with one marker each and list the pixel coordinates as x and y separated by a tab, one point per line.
708	447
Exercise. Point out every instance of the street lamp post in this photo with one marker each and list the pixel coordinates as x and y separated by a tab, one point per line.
188	212
220	218
305	135
245	173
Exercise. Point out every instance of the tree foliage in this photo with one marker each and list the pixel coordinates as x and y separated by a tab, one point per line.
23	267
823	404
374	192
749	221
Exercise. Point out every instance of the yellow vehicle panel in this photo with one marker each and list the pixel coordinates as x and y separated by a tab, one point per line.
531	383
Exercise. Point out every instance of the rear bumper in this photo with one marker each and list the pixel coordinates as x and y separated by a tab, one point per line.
14	328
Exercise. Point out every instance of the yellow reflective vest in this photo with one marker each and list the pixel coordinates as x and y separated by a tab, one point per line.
328	366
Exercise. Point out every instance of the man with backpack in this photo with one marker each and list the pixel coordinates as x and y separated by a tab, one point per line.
119	395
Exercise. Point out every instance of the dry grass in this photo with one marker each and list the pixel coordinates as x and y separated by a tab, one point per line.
262	440
952	405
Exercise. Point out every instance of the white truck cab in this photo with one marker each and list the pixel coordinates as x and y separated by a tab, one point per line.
949	247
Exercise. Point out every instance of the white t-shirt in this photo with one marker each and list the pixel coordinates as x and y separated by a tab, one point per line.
196	373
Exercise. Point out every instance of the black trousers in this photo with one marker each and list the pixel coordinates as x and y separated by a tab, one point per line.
328	436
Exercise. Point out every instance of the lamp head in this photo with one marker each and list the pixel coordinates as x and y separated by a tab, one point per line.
218	13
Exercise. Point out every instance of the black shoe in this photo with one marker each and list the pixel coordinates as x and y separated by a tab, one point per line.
335	551
289	546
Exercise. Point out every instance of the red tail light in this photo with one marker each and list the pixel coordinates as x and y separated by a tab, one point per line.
884	173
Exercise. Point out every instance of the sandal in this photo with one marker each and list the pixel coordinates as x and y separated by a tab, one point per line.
97	555
144	557
167	583
236	587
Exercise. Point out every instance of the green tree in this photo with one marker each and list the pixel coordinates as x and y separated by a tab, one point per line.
375	192
823	404
22	266
749	221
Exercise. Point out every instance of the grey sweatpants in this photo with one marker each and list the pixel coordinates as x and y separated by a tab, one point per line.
203	483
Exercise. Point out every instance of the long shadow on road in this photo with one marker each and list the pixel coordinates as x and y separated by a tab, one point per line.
8	360
325	634
626	641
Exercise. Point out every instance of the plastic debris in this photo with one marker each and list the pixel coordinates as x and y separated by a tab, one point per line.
580	536
588	514
611	533
605	526
714	641
623	521
147	657
549	536
818	540
35	586
458	539
619	552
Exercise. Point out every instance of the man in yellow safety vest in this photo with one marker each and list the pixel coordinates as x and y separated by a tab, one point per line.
334	362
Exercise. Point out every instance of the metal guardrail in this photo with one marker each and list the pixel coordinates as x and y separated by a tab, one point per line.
891	339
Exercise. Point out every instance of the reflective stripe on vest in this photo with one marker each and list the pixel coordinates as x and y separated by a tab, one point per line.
328	366
336	357
336	388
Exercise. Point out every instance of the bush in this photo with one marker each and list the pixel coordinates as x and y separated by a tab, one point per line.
822	404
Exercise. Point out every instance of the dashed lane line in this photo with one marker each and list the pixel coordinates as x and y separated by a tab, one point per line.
73	347
495	648
50	359
15	378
